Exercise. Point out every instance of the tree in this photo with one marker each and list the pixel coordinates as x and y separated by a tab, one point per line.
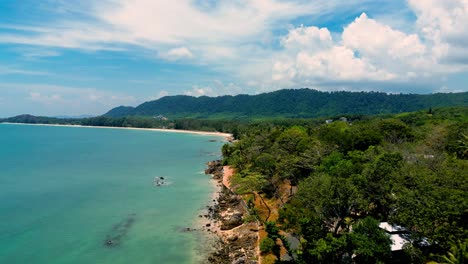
330	200
457	254
377	183
331	249
369	242
293	139
462	147
395	131
433	204
250	184
265	163
267	244
364	135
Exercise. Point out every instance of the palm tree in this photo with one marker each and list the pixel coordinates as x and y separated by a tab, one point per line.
463	145
457	254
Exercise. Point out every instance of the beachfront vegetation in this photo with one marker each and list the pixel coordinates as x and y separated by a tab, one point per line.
334	183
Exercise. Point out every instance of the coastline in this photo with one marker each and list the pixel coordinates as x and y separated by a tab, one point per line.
142	221
236	239
228	244
226	136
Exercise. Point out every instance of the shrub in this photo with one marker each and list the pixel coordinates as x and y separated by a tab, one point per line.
266	245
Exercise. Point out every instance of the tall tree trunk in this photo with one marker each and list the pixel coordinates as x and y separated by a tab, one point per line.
266	205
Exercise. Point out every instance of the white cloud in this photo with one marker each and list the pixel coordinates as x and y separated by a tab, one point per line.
367	50
338	63
177	53
200	91
372	38
161	94
13	70
218	88
444	25
72	36
238	38
310	38
39	53
181	21
224	30
157	24
44	99
445	89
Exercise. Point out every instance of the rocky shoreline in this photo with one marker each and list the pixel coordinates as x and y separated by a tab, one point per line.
237	241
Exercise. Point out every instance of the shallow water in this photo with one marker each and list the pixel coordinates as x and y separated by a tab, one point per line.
65	192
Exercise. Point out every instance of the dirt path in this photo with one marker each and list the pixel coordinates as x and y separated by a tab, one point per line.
227	174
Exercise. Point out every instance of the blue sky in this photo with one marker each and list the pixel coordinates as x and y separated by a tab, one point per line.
60	57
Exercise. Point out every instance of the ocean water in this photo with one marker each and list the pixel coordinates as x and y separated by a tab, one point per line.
65	191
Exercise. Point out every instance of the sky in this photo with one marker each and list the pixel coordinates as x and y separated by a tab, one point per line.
65	57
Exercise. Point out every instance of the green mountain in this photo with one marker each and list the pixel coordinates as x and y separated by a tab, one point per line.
293	103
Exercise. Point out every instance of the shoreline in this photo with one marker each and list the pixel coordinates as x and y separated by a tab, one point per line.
236	239
226	136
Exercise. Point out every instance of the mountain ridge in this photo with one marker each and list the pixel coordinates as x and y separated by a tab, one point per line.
290	103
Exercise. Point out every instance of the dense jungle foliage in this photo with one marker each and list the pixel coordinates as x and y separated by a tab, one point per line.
346	177
289	103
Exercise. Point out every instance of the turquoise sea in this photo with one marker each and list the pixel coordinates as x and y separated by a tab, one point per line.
65	191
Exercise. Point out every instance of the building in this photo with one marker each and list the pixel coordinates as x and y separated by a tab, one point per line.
160	117
396	235
399	237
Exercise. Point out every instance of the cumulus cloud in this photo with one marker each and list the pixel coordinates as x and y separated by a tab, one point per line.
311	38
443	24
374	39
366	50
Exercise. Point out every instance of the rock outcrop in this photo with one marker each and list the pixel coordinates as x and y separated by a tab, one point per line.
215	168
237	240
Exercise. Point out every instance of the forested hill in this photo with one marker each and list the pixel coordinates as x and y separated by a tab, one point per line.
295	103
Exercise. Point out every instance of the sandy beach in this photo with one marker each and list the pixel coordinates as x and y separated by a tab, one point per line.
227	136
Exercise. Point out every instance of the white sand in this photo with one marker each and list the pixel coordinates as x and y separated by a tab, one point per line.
227	136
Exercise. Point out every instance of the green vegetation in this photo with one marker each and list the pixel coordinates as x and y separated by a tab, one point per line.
457	254
267	244
140	122
346	177
331	184
297	103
